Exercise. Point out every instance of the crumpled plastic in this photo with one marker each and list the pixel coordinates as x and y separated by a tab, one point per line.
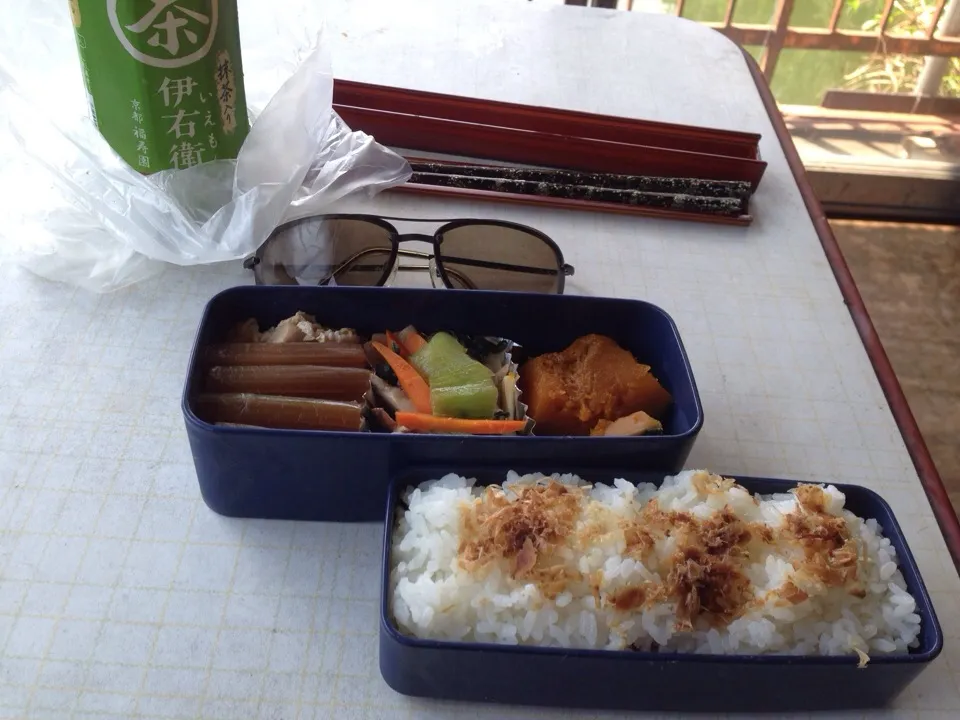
72	210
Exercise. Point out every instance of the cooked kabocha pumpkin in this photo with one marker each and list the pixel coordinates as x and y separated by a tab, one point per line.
594	379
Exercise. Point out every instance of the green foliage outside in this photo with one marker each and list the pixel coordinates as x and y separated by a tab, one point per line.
802	76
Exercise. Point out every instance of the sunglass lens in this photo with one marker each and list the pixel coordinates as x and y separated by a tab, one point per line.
333	251
498	257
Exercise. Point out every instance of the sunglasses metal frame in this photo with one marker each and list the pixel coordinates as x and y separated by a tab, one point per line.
435	261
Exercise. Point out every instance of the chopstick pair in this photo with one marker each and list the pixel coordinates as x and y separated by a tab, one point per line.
492	132
727	198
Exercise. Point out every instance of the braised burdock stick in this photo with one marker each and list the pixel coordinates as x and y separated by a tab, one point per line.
304	381
276	412
301	353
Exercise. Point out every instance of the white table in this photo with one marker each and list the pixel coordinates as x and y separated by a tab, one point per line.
122	595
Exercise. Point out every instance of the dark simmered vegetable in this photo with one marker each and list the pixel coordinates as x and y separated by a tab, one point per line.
392	396
307	381
299	374
479	347
413	385
299	353
272	411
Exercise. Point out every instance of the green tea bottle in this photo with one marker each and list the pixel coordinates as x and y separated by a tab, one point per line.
164	79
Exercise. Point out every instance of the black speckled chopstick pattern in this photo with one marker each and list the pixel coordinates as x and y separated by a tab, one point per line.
684	186
705	204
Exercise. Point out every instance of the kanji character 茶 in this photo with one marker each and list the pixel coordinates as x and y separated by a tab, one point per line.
176	20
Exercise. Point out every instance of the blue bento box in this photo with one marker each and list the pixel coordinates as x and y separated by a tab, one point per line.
649	681
344	476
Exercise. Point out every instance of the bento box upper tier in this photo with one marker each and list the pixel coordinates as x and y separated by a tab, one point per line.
344	475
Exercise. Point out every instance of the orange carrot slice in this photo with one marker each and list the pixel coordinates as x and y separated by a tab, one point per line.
395	342
433	423
410	380
411	339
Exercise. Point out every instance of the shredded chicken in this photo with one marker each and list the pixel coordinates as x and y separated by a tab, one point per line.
301	327
811	498
525	532
636	597
246	332
526	558
710	484
539	534
705	566
830	553
287	331
706	576
791	594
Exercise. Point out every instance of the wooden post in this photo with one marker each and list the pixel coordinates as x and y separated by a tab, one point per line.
774	44
937	14
728	15
835	16
885	16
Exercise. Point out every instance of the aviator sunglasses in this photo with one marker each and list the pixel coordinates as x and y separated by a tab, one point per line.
366	250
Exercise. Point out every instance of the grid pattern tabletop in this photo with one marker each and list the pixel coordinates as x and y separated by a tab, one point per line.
123	596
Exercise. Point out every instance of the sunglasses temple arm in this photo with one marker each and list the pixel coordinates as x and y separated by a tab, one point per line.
491	265
467	282
350	262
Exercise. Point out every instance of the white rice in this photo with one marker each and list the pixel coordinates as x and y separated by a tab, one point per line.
434	596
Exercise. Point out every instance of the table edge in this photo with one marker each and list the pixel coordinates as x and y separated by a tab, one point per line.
916	446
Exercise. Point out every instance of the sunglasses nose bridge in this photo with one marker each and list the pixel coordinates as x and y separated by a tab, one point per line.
410	237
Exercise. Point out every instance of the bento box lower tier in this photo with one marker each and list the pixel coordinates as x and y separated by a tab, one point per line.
451	630
344	475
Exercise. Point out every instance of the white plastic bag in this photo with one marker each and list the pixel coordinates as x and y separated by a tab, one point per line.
72	210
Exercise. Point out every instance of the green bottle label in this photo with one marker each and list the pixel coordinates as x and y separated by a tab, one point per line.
164	79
